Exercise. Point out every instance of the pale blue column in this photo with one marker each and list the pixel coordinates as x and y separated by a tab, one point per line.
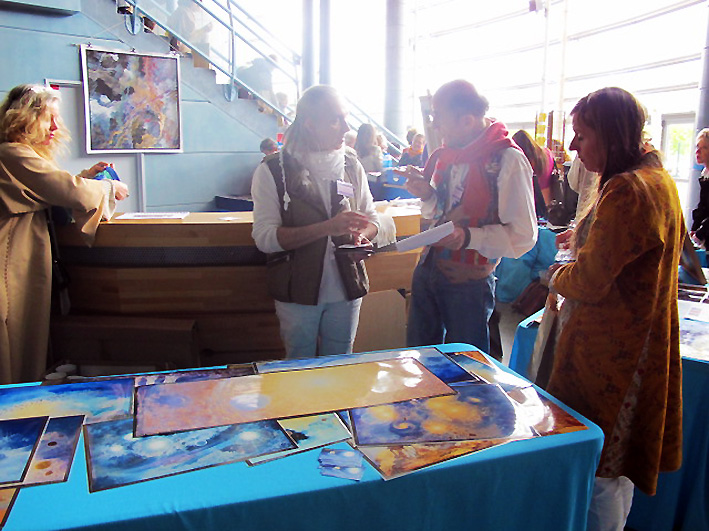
394	64
325	42
702	122
308	44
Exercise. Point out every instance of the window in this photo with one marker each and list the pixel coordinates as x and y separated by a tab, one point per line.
678	148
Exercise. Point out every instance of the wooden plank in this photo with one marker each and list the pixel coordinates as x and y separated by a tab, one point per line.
169	290
238	332
174	290
198	229
125	340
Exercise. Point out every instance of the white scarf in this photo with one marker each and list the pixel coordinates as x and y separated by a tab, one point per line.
320	165
324	165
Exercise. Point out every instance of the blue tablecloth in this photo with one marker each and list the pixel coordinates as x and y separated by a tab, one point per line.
541	483
525	335
513	275
682	499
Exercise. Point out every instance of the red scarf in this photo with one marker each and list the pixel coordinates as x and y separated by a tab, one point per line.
477	195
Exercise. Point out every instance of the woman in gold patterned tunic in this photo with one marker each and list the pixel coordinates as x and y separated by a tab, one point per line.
30	133
617	355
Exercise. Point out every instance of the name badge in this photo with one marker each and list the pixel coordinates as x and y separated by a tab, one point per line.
345	188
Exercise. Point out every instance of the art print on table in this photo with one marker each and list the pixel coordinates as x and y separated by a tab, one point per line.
543	415
478	411
132	101
52	460
307	433
18	439
115	458
98	401
694	339
431	358
398	460
186	406
487	371
195	375
7	500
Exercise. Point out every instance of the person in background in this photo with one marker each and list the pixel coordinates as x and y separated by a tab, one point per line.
268	146
414	153
700	215
542	162
309	199
368	152
481	182
31	133
382	143
411	132
350	139
617	356
192	23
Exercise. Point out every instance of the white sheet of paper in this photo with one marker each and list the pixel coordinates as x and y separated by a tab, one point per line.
427	237
154	215
693	310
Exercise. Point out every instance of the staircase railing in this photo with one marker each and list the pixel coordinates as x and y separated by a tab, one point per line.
250	61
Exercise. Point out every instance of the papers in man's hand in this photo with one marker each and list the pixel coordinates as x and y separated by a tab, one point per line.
427	237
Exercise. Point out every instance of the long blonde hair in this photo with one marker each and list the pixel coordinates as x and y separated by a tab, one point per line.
21	116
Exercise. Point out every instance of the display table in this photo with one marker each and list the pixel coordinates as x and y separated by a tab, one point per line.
682	499
541	483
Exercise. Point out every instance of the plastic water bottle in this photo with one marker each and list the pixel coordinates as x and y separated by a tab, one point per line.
388	164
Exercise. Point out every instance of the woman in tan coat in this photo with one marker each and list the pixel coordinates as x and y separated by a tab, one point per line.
617	356
31	131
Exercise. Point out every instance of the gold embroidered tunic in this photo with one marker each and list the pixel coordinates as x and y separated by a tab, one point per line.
617	357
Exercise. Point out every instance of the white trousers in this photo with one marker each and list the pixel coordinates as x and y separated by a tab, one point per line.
610	504
325	329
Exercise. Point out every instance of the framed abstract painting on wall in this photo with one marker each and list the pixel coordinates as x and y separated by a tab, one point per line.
132	101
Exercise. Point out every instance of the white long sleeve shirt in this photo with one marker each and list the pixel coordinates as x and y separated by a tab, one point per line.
517	231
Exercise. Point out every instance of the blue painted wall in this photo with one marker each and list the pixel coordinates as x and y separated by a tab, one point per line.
220	138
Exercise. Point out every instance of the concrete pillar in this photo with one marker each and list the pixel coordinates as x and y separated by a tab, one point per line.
394	65
702	122
325	42
308	59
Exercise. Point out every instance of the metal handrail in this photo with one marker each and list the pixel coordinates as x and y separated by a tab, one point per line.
394	142
216	66
294	55
364	117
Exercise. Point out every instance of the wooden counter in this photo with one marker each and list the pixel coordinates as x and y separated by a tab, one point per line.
204	267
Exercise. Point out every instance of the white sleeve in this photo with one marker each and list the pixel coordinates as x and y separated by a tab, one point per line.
517	232
429	207
109	198
267	210
365	201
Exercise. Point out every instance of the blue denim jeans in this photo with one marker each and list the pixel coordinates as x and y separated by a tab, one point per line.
444	312
323	330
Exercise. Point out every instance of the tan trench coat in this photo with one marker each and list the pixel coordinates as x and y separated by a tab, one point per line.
29	185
